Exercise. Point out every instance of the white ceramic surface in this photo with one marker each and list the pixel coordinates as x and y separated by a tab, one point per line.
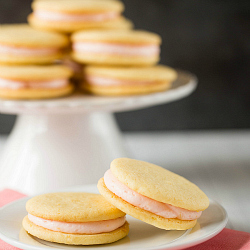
49	152
70	141
141	235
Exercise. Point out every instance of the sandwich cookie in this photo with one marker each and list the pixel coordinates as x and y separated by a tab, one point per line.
35	82
111	81
21	44
69	16
116	47
153	194
75	219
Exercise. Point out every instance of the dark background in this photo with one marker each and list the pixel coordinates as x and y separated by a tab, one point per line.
207	37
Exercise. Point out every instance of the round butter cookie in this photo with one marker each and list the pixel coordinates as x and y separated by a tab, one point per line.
21	44
153	194
70	16
35	81
116	47
118	81
75	219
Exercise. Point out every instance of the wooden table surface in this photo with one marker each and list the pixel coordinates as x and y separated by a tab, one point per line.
218	162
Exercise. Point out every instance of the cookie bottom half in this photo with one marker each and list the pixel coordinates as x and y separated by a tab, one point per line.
33	94
126	90
114	60
26	60
69	27
75	239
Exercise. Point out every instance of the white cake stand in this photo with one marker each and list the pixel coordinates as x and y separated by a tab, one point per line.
70	141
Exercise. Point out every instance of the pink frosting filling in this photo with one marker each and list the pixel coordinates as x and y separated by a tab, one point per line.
21	51
102	81
52	84
143	202
117	49
54	16
94	227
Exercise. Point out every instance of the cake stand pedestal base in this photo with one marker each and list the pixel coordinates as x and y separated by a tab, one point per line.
54	151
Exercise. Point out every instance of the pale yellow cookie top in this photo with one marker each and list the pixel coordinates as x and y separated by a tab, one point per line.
154	73
79	6
159	184
118	36
35	72
72	207
25	36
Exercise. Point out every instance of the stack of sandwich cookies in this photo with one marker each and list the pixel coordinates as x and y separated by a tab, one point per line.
74	218
21	44
35	81
117	48
117	81
27	63
69	16
153	194
121	62
102	38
